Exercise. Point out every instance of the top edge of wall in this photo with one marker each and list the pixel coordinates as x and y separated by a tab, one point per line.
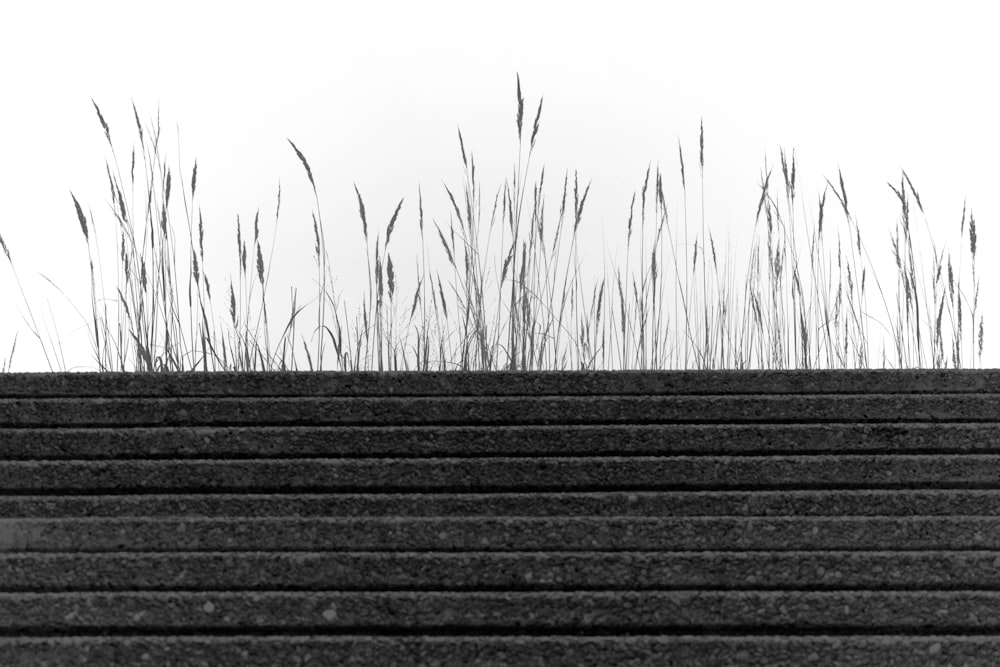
500	383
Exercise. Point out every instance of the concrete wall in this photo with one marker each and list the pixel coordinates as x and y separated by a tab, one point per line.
490	518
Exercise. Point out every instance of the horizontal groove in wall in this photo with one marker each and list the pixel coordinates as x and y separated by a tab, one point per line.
446	492
887	642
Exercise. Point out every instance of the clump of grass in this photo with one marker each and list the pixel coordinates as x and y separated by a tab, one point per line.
162	317
521	302
796	313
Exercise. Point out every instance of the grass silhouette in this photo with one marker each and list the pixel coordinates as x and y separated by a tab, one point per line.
527	307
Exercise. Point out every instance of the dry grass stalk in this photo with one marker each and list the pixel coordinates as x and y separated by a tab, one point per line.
802	306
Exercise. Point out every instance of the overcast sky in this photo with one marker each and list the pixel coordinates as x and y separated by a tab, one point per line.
372	93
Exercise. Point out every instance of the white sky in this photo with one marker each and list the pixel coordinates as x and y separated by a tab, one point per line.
372	93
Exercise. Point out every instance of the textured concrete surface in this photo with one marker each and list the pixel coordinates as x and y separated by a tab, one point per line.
708	570
792	502
553	534
559	383
845	517
602	612
498	410
481	651
506	440
503	473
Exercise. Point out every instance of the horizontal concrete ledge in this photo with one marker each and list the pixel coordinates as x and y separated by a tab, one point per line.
324	571
499	534
599	612
476	441
451	475
535	383
505	410
897	650
897	502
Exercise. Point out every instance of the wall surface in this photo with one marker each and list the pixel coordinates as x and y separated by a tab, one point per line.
481	518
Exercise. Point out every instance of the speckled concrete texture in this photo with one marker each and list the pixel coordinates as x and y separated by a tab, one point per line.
552	533
488	650
496	410
647	518
533	383
442	475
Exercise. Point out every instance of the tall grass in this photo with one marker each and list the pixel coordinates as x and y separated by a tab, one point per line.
523	303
